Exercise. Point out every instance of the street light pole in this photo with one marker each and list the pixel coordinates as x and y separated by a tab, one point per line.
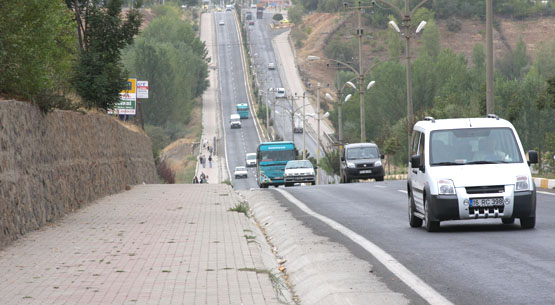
304	118
318	136
361	77
490	104
406	17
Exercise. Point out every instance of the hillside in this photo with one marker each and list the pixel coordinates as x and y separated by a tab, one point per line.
323	27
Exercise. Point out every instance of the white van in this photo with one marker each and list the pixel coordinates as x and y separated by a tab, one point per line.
235	121
471	168
280	93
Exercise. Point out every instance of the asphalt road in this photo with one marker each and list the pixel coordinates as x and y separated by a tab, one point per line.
239	141
260	38
468	262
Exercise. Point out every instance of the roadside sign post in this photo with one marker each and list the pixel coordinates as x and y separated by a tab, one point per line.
142	93
128	100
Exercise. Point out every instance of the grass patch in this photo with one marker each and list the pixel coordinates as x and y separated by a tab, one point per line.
228	182
241	207
250	237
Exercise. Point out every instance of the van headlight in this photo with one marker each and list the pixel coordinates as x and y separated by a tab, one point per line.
446	187
378	163
522	183
350	165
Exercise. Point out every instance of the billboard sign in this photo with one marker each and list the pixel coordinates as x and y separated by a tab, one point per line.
142	89
128	99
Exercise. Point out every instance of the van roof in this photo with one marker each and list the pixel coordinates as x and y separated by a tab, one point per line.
354	145
235	115
462	123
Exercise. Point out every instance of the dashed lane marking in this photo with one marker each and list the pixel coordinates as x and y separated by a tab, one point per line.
546	193
380	186
402	191
410	279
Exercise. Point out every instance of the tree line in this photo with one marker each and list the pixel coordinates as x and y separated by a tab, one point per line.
172	58
65	54
71	54
448	85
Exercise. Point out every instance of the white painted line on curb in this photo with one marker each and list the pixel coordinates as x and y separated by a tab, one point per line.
402	191
410	279
546	193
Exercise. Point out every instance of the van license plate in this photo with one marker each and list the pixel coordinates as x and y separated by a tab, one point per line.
368	171
486	202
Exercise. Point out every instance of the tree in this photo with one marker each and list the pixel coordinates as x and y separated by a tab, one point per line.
36	48
102	34
158	55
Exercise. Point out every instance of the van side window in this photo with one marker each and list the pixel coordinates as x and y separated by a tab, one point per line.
421	149
415	140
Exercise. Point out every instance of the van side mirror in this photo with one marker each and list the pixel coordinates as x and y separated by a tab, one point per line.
415	161
343	159
532	157
382	156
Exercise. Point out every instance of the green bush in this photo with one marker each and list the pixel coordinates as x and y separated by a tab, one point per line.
454	25
277	17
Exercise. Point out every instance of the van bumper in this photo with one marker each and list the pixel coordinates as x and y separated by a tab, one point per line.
446	207
524	204
443	207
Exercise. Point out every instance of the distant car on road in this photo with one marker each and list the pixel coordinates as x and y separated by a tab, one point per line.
250	159
240	172
361	161
221	22
280	93
251	22
271	66
235	121
299	171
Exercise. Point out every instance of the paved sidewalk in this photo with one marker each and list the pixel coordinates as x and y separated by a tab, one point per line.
211	128
154	244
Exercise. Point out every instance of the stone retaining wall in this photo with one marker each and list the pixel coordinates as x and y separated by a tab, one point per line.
52	164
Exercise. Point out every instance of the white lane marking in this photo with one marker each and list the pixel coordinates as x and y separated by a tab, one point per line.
403	191
546	193
380	186
414	282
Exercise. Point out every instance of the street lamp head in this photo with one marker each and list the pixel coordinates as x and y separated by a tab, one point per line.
327	114
348	97
351	85
311	57
394	26
329	97
421	26
370	85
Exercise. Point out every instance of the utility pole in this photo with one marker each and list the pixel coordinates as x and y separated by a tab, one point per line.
490	104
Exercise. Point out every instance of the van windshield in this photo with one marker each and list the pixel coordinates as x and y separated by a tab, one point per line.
362	153
473	146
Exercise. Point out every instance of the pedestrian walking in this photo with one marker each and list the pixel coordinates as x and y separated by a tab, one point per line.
210	160
195	180
203	161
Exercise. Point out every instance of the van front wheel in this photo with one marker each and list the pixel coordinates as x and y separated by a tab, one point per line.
414	221
527	222
431	226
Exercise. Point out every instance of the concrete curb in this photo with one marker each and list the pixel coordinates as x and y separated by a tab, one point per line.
544	183
321	272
